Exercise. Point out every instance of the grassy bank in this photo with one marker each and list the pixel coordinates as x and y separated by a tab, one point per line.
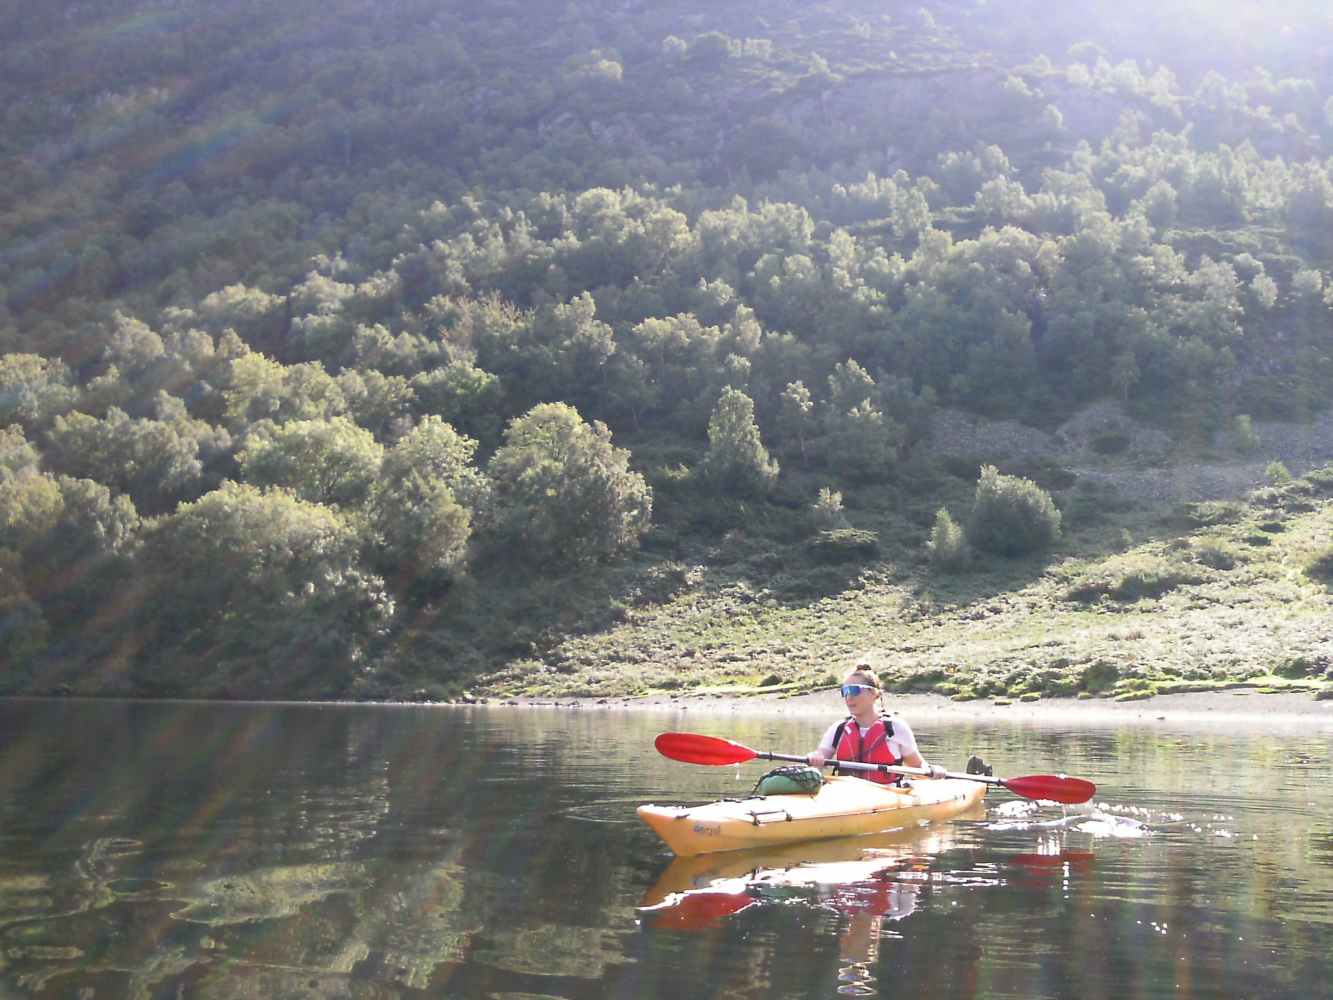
1140	598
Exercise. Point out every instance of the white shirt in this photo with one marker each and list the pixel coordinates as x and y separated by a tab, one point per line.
901	743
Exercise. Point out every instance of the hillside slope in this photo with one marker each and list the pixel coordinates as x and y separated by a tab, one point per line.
362	349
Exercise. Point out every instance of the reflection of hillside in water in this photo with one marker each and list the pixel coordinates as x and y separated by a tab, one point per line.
400	926
268	859
266	894
257	927
58	928
553	950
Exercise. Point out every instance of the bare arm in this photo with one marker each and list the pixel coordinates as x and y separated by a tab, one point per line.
824	752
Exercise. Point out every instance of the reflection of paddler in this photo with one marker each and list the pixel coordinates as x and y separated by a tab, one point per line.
858	948
881	895
853	875
867	905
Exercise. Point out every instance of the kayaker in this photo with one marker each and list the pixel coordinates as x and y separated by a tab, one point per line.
867	735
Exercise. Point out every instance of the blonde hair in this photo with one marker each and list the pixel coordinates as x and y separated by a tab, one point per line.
869	676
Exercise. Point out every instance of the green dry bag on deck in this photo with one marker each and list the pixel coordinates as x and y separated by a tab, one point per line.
794	780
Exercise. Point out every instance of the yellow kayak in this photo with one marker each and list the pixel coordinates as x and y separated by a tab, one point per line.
842	807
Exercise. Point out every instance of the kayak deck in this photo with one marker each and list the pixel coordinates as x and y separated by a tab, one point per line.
842	807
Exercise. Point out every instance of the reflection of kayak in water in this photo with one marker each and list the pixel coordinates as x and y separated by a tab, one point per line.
842	807
880	874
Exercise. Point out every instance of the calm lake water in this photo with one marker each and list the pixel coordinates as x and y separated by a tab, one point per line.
186	850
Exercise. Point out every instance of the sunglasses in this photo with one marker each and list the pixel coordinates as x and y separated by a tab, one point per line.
852	690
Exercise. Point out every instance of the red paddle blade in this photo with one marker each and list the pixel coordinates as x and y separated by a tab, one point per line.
695	749
1051	788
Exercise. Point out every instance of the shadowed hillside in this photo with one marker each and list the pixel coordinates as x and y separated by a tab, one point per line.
419	348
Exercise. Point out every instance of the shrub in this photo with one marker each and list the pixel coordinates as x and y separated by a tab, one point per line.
961	466
1277	473
1247	439
1110	443
812	583
1321	566
841	545
1132	578
1216	555
1083	509
1212	512
1300	667
1321	480
1011	516
948	544
1099	675
826	511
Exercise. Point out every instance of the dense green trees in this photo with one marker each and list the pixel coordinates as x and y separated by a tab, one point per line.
259	588
156	463
33	390
564	495
737	462
428	497
860	441
332	462
65	549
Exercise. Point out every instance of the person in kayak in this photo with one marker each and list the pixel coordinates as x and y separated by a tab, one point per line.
869	736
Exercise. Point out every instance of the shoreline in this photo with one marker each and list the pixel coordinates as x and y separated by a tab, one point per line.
1199	709
1226	708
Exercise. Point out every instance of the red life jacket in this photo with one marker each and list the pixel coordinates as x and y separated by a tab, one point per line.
848	744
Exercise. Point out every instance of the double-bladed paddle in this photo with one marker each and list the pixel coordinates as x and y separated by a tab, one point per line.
692	748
